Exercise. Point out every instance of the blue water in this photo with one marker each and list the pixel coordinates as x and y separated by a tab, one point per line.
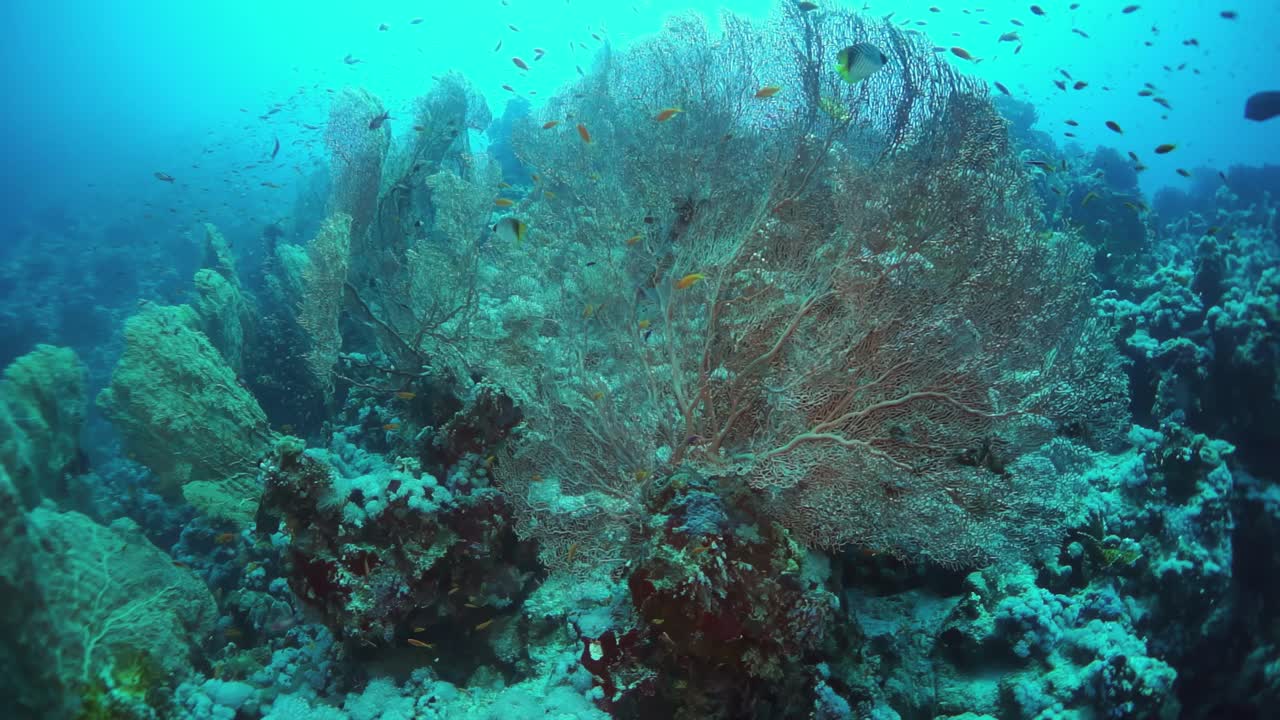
538	516
103	95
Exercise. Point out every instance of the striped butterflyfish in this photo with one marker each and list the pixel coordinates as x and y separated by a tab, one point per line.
857	62
510	230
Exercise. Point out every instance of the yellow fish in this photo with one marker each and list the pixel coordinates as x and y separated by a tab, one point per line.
667	114
689	280
857	62
511	230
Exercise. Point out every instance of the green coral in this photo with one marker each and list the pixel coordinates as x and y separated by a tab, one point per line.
177	403
42	404
29	681
233	499
225	313
117	596
325	278
125	691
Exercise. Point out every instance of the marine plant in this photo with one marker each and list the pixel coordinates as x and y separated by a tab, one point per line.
42	406
870	343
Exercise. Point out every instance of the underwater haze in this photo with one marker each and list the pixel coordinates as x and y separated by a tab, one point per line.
679	359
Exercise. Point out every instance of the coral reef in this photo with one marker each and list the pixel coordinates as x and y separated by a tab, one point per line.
178	405
853	401
42	408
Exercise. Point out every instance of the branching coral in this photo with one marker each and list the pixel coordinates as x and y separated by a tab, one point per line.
357	147
324	279
855	314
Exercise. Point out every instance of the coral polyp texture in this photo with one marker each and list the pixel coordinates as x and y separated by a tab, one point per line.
770	371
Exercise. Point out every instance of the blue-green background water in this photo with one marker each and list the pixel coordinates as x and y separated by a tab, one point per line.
100	95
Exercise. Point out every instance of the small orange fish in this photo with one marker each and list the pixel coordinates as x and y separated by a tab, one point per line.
406	395
503	202
391	426
484	624
597	395
573	550
582	133
688	281
224	538
667	114
588	311
550	124
644	324
634	239
641	475
418	643
698	550
768	91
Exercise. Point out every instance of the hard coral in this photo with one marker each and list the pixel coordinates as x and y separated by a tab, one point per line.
727	620
378	556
